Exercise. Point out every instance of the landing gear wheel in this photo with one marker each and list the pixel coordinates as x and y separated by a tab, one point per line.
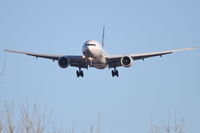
115	73
79	73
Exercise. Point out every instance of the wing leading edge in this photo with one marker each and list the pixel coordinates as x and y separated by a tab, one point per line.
75	60
115	59
47	56
112	60
152	54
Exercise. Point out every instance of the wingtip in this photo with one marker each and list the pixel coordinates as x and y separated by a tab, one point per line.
7	50
194	47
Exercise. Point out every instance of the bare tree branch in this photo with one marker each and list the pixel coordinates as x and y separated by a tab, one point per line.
9	118
170	125
1	122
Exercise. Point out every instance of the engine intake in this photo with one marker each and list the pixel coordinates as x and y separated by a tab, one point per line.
126	61
63	62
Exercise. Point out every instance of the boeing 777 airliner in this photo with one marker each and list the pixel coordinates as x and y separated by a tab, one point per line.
95	56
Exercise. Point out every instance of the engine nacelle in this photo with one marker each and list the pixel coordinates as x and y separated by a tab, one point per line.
126	61
63	62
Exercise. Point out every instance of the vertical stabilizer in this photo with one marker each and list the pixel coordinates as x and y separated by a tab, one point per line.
103	36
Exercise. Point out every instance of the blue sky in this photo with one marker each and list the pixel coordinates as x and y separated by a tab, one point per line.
149	89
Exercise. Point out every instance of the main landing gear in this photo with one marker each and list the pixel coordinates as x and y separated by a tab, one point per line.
115	73
79	73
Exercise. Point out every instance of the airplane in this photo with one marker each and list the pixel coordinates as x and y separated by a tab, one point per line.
95	56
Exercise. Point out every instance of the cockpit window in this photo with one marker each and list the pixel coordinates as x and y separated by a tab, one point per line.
91	44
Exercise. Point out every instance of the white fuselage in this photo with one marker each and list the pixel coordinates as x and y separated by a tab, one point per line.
94	53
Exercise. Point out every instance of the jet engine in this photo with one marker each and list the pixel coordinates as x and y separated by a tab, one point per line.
63	62
126	61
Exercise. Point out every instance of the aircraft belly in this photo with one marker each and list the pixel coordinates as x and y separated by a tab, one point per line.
100	63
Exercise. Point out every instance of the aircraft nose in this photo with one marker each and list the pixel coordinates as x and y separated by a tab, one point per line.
86	50
89	48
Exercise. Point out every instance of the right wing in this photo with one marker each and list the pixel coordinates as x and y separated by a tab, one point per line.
75	61
47	56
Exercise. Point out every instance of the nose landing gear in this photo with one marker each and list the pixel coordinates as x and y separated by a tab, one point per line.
115	73
79	73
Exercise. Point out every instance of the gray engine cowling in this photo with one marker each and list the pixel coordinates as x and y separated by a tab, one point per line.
126	61
63	62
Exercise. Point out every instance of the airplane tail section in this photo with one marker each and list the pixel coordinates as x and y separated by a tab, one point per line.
103	36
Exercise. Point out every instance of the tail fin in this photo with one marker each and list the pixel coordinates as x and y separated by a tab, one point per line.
103	36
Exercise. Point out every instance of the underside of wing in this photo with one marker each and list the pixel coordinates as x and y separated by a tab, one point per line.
72	60
115	60
47	56
78	61
152	54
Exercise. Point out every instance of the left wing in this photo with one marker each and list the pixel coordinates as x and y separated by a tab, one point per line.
114	60
75	60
